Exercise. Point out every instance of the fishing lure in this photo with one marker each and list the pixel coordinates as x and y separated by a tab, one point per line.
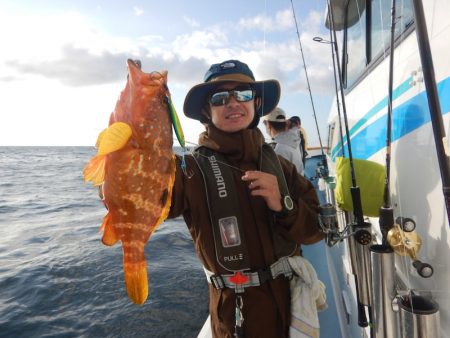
178	129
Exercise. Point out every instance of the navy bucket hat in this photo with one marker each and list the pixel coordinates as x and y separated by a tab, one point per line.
231	71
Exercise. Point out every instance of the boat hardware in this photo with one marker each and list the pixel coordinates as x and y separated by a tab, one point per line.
239	318
418	316
385	321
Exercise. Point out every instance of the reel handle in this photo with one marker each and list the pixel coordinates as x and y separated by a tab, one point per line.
425	270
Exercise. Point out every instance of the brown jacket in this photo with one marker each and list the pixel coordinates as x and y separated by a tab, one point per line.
266	308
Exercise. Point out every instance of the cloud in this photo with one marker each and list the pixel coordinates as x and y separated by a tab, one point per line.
282	21
93	59
138	11
78	67
190	21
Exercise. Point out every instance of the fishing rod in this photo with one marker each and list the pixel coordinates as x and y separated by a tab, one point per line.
386	218
362	235
324	172
338	105
382	256
390	233
433	100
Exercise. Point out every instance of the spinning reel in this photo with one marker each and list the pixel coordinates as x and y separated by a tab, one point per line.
329	225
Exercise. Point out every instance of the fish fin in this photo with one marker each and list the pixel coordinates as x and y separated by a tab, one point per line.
109	235
94	171
99	138
136	283
113	138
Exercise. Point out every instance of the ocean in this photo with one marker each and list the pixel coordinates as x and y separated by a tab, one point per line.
56	277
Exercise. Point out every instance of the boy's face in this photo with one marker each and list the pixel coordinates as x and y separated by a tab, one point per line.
233	115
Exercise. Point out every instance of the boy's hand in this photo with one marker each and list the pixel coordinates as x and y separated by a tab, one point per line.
264	185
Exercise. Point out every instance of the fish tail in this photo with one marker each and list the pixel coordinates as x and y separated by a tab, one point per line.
109	235
94	171
136	281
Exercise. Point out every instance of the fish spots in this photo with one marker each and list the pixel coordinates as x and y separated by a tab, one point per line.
130	167
141	160
163	165
139	202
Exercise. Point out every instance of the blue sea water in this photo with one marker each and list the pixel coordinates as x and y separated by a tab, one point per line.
58	280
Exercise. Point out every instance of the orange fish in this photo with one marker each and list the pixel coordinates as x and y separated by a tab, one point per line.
135	165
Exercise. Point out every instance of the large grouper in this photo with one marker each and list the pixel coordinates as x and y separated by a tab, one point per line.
135	168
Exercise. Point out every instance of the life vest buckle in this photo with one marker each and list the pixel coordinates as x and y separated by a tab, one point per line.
217	281
265	275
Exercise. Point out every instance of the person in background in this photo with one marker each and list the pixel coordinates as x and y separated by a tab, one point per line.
295	121
286	139
246	208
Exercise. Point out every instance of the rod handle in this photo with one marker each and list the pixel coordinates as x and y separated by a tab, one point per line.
362	318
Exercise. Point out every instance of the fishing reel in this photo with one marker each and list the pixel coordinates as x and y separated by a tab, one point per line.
329	225
321	170
408	243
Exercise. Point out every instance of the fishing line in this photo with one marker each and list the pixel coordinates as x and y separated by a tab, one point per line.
194	152
308	85
262	93
338	105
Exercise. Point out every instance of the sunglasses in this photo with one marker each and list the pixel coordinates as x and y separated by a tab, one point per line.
223	97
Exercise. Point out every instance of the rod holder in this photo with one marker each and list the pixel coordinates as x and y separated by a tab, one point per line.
418	316
385	320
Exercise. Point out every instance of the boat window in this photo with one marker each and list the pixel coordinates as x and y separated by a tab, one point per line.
356	48
381	23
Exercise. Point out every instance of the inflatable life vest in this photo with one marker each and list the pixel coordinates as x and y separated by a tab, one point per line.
225	211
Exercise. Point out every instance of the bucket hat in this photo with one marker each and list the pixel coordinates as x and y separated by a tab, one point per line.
231	71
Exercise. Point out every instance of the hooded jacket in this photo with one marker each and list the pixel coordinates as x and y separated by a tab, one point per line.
288	146
266	309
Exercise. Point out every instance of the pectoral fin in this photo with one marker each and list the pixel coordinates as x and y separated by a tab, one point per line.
94	171
109	235
113	138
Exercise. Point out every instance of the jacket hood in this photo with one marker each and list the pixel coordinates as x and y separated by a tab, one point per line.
290	138
244	145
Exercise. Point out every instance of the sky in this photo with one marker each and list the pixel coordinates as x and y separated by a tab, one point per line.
63	62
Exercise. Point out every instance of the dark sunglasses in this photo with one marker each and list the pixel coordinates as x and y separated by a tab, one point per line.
223	97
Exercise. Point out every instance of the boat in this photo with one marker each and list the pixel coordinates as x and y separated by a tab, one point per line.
389	259
385	170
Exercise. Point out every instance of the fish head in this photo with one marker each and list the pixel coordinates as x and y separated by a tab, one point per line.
143	106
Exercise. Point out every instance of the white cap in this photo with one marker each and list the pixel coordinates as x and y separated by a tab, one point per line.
276	115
